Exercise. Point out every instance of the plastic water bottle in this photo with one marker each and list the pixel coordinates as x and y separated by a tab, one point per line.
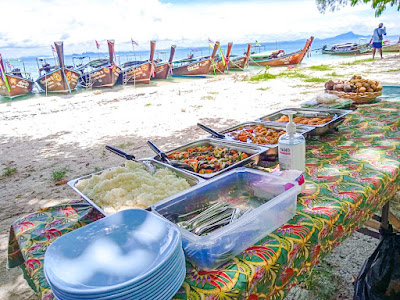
292	147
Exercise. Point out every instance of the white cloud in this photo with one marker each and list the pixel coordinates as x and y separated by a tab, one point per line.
36	24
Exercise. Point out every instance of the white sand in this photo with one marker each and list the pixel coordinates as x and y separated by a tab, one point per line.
42	135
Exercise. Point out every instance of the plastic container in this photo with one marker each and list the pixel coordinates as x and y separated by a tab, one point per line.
279	203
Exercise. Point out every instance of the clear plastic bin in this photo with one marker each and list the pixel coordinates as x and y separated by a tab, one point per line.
276	204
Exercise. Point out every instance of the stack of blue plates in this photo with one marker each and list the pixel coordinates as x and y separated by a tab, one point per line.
132	254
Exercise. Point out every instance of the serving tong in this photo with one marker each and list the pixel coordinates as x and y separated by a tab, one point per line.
149	167
164	157
211	131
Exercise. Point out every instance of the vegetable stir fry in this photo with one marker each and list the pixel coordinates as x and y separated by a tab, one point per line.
208	159
257	134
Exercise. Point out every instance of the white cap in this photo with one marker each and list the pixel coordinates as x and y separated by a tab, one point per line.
290	126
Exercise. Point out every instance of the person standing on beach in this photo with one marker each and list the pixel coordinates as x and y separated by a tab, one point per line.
377	39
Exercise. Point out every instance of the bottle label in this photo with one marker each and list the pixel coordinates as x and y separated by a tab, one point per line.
292	157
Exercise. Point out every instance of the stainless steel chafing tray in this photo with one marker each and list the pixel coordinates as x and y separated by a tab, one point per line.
337	117
253	150
191	179
272	151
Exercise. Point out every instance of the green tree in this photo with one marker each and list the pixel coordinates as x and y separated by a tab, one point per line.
378	5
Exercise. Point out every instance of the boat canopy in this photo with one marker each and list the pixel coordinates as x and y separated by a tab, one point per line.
14	61
96	63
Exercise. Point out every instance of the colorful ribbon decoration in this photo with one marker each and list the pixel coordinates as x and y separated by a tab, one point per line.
222	55
3	74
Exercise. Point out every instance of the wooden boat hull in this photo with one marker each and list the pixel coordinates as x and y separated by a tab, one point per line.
219	67
161	71
55	82
350	52
105	77
138	74
292	58
18	86
391	48
239	63
195	69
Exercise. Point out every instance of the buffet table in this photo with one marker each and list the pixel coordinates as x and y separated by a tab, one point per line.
351	174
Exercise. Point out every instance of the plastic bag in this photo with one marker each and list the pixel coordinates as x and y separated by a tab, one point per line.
325	98
379	278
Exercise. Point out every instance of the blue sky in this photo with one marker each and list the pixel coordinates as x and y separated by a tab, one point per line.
29	26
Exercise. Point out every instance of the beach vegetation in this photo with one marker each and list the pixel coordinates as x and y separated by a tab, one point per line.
323	283
321	68
263	89
393	70
97	169
9	172
357	62
299	85
207	98
213	93
147	104
333	74
125	145
306	92
315	79
293	74
263	77
378	5
59	175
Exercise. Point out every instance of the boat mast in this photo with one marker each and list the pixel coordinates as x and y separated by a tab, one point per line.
171	58
228	55
60	53
111	51
152	50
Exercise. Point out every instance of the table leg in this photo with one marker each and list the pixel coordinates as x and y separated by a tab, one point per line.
384	223
385	217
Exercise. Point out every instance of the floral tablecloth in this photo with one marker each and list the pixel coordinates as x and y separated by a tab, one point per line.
350	175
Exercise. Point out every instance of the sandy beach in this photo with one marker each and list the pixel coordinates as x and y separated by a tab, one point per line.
45	135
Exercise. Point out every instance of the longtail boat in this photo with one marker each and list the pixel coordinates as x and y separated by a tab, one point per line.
293	58
240	62
347	49
221	64
193	67
14	82
138	71
101	72
162	69
57	79
391	46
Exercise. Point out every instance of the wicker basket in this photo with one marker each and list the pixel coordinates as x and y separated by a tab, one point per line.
358	98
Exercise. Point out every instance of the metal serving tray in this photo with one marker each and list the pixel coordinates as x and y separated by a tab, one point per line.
338	117
272	151
253	150
192	180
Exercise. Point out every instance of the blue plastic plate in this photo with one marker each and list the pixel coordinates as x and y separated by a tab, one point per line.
111	254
